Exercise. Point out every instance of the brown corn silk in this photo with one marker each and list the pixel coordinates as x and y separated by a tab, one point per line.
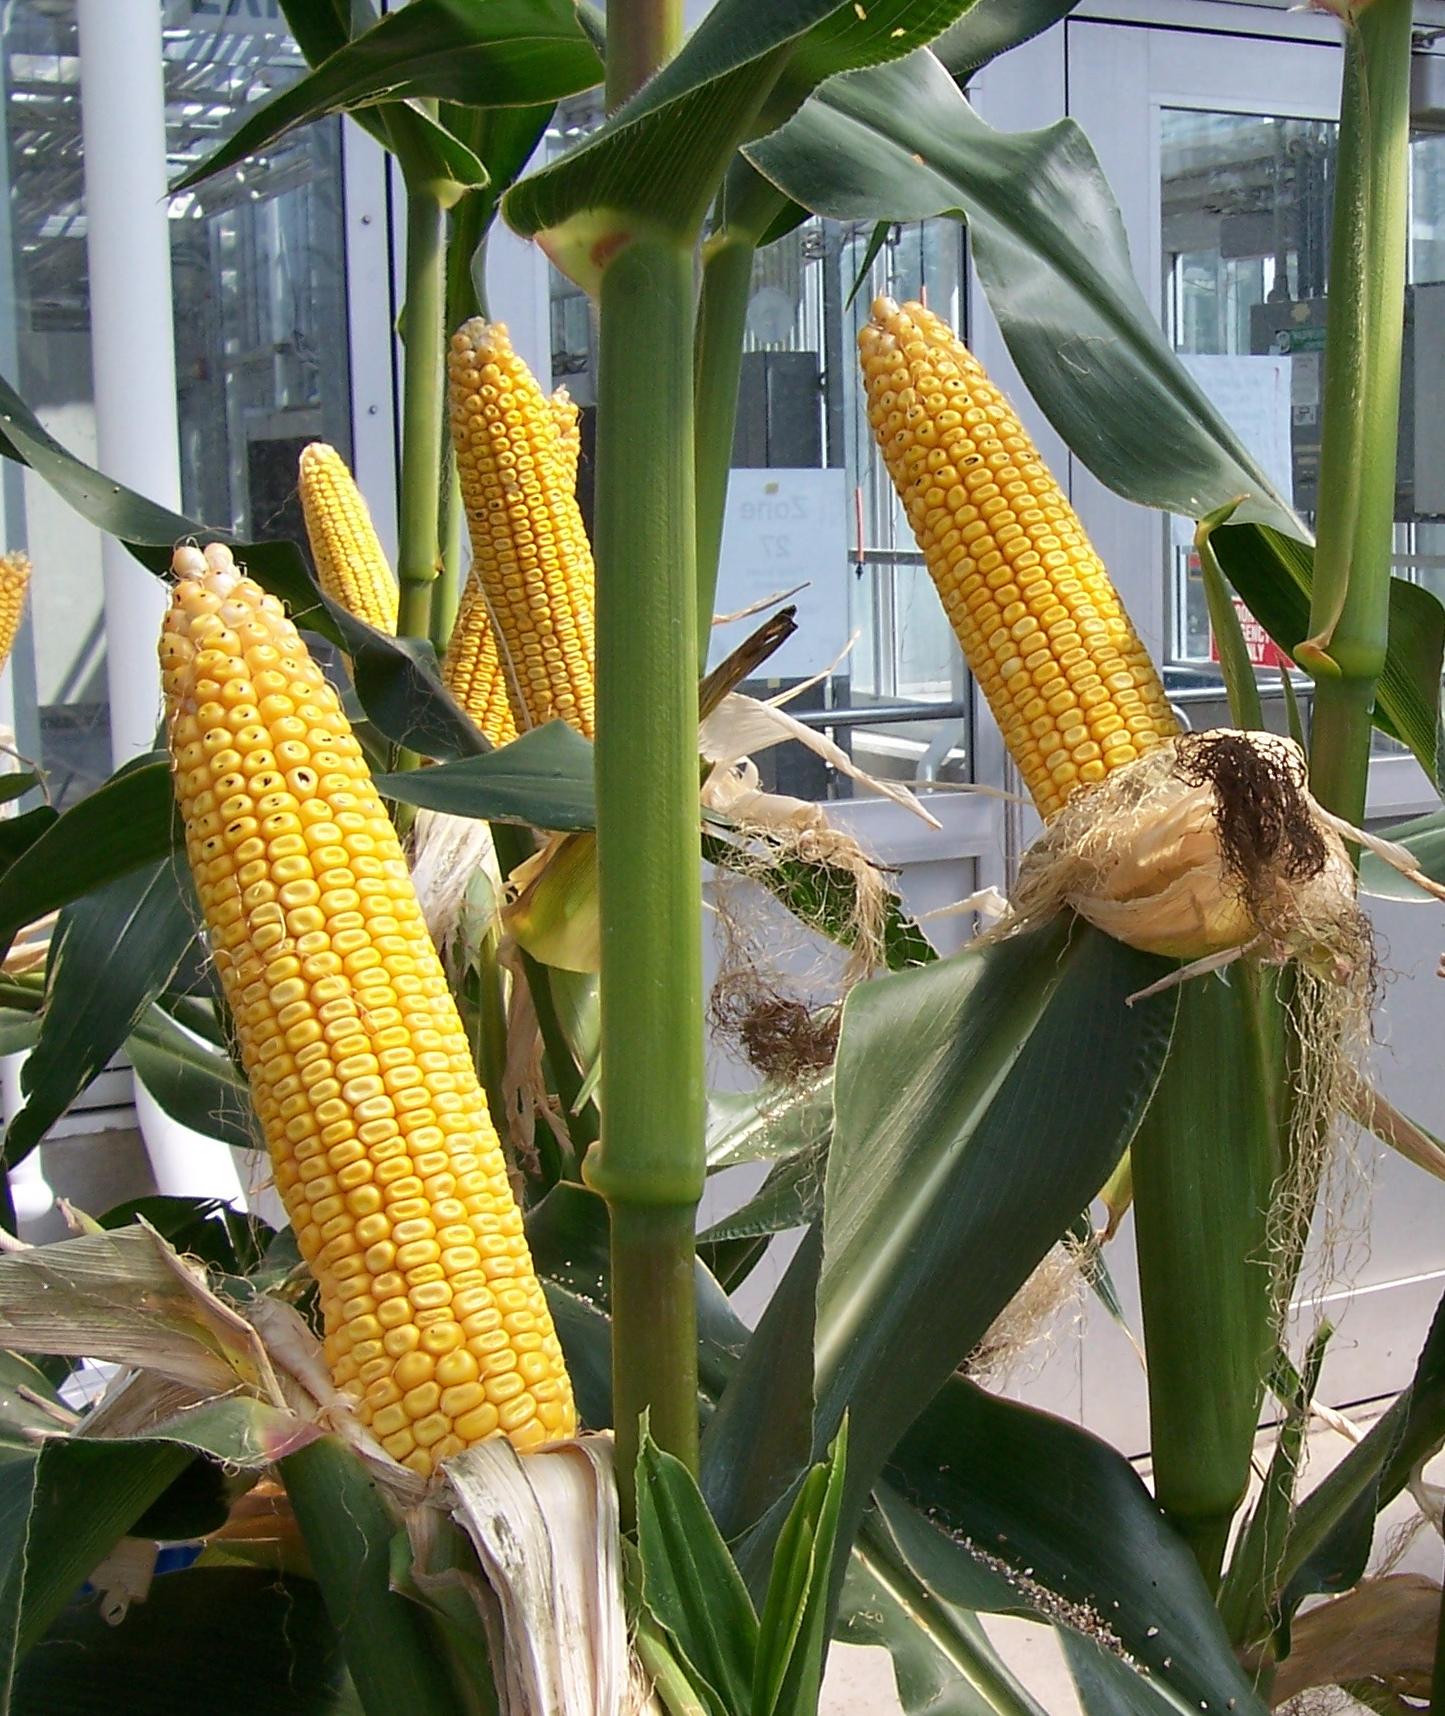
382	1147
1039	622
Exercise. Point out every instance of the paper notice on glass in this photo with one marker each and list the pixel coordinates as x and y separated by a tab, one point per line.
784	528
1253	395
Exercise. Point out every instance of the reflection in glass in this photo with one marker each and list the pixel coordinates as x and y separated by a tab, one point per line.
261	340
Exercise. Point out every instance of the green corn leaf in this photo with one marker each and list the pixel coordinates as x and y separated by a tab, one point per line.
899	142
1000	1507
659	159
824	896
1247	1594
793	1627
586	1336
19	833
790	1197
1235	666
504	53
1108	1686
689	1581
543	779
396	678
234	1641
1333	1528
63	1508
766	1124
1424	838
943	1662
990	28
117	510
569	1235
223	1238
1274	574
323	27
114	951
760	1439
195	1082
121	827
18	1030
980	1103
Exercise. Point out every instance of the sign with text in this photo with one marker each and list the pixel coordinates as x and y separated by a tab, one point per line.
783	528
1261	648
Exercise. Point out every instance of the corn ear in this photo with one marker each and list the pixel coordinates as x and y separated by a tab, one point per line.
532	573
350	563
360	1070
1040	624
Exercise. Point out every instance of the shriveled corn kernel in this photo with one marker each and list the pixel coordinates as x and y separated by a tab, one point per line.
1032	607
345	1022
532	574
350	564
14	583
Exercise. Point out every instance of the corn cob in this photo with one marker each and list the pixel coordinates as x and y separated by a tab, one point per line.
379	1134
1038	620
472	667
530	561
349	561
568	421
14	582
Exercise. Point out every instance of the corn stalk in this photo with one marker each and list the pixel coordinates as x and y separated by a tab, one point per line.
649	1164
1349	611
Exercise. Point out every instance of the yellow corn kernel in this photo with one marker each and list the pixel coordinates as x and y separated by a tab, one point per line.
531	566
347	1029
14	582
568	422
350	564
1035	613
472	667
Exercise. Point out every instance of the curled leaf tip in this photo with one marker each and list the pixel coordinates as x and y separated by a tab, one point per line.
1316	660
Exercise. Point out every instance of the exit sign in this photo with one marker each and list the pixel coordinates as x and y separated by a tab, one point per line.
1263	651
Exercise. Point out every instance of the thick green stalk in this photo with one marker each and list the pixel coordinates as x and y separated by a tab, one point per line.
649	1163
390	1651
641	36
1349	610
421	409
747	206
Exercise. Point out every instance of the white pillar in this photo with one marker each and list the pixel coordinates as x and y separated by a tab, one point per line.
131	329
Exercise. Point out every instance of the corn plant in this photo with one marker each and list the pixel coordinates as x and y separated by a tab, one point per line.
479	1430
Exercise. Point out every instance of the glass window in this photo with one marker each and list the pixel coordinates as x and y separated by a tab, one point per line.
261	339
801	409
1245	211
1246	207
258	271
59	658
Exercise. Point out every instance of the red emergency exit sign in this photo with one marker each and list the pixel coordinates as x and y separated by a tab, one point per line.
1263	650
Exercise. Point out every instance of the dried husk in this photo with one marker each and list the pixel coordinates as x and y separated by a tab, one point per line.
1208	845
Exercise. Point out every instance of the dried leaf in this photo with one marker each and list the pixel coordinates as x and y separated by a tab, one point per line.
1382	1630
545	1528
127	1297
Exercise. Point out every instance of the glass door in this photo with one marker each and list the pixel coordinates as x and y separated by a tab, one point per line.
1221	152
